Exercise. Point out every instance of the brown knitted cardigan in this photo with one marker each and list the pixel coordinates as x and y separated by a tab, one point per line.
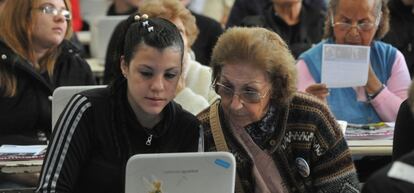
305	128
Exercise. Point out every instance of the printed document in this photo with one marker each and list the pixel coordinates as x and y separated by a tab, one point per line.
344	65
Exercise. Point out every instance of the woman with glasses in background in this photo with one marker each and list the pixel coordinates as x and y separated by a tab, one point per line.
35	58
283	141
359	22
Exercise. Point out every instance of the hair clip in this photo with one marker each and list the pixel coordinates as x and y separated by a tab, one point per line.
137	18
145	23
150	29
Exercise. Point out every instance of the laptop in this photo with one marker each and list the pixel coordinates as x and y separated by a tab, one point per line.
200	172
61	97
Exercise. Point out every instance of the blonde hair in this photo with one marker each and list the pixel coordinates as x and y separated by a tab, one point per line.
172	9
16	28
262	48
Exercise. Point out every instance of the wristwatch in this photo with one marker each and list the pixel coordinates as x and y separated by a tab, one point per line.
371	97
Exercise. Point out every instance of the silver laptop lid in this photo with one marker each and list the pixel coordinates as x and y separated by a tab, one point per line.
201	172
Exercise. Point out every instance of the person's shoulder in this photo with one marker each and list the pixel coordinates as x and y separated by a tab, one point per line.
96	101
315	50
68	48
70	55
388	51
205	20
254	21
313	115
196	67
7	55
4	47
384	46
204	115
306	99
305	108
390	178
99	95
183	115
316	13
405	104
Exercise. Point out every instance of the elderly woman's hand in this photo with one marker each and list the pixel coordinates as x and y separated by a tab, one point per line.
373	85
318	90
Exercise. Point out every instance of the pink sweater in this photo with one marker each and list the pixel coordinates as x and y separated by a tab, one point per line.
387	102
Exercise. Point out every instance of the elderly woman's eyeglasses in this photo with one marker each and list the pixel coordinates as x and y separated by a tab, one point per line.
50	10
363	26
245	96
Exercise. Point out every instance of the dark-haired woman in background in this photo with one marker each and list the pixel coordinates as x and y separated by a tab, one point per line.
101	129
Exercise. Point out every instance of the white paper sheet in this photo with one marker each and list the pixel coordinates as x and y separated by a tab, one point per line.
344	65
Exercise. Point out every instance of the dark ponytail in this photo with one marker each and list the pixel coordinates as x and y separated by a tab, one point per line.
135	30
128	35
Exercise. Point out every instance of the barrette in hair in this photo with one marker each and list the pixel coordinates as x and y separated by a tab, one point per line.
145	23
137	18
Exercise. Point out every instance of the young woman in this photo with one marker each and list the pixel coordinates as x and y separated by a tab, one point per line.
100	129
35	58
194	91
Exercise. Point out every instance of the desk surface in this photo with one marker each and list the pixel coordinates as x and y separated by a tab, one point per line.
357	147
370	147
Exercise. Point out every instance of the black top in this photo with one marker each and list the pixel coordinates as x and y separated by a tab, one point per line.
111	11
244	8
210	30
98	132
380	182
299	37
29	111
403	132
401	34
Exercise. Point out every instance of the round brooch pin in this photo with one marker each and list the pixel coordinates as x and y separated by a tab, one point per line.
303	167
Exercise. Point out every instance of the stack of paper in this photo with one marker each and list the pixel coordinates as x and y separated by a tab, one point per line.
21	158
369	131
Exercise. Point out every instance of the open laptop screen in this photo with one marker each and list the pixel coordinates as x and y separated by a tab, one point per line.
201	172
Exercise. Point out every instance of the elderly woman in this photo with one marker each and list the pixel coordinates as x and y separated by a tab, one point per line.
359	22
283	141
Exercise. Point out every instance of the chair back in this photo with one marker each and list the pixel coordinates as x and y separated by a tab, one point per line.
61	97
